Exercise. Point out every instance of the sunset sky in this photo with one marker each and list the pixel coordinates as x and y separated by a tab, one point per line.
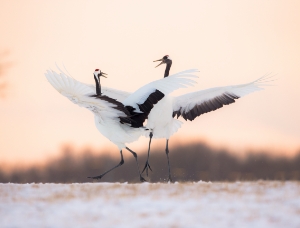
230	42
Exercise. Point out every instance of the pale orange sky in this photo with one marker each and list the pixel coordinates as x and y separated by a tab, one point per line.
230	42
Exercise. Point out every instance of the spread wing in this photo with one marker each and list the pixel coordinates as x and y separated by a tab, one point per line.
141	102
191	105
84	96
161	87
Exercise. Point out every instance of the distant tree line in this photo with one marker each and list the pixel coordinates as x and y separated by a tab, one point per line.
193	162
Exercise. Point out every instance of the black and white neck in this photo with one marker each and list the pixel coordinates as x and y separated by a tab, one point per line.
168	67
97	75
165	60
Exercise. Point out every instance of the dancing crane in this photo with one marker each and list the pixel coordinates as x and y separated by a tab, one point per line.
120	122
161	122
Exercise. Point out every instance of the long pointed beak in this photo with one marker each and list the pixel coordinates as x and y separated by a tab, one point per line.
159	64
103	75
157	61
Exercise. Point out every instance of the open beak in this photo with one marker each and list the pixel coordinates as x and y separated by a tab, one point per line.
160	63
103	75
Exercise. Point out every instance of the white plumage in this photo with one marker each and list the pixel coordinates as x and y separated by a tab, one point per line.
192	105
108	111
160	119
166	86
80	94
213	98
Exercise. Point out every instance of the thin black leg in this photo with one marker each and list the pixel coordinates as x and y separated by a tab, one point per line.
147	165
167	153
137	163
121	163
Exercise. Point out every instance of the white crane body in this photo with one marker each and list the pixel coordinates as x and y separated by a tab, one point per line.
153	100
160	119
119	134
118	115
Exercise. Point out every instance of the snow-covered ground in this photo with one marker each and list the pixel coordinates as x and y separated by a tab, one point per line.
201	204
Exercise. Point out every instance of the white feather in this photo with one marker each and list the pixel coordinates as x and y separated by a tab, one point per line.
106	117
165	85
187	101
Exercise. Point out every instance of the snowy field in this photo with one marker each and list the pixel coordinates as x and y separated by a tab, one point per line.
201	204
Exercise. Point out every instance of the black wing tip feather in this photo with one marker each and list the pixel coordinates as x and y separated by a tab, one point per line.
119	106
207	106
146	108
152	99
135	119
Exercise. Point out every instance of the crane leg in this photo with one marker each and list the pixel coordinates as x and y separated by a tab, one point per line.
167	153
137	163
147	165
100	176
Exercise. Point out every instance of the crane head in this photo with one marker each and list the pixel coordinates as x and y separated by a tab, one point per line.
98	73
166	59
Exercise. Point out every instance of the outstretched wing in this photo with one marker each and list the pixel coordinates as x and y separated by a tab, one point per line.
116	94
84	96
141	102
162	87
191	105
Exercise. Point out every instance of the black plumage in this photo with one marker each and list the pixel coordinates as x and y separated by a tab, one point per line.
135	119
206	106
146	108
